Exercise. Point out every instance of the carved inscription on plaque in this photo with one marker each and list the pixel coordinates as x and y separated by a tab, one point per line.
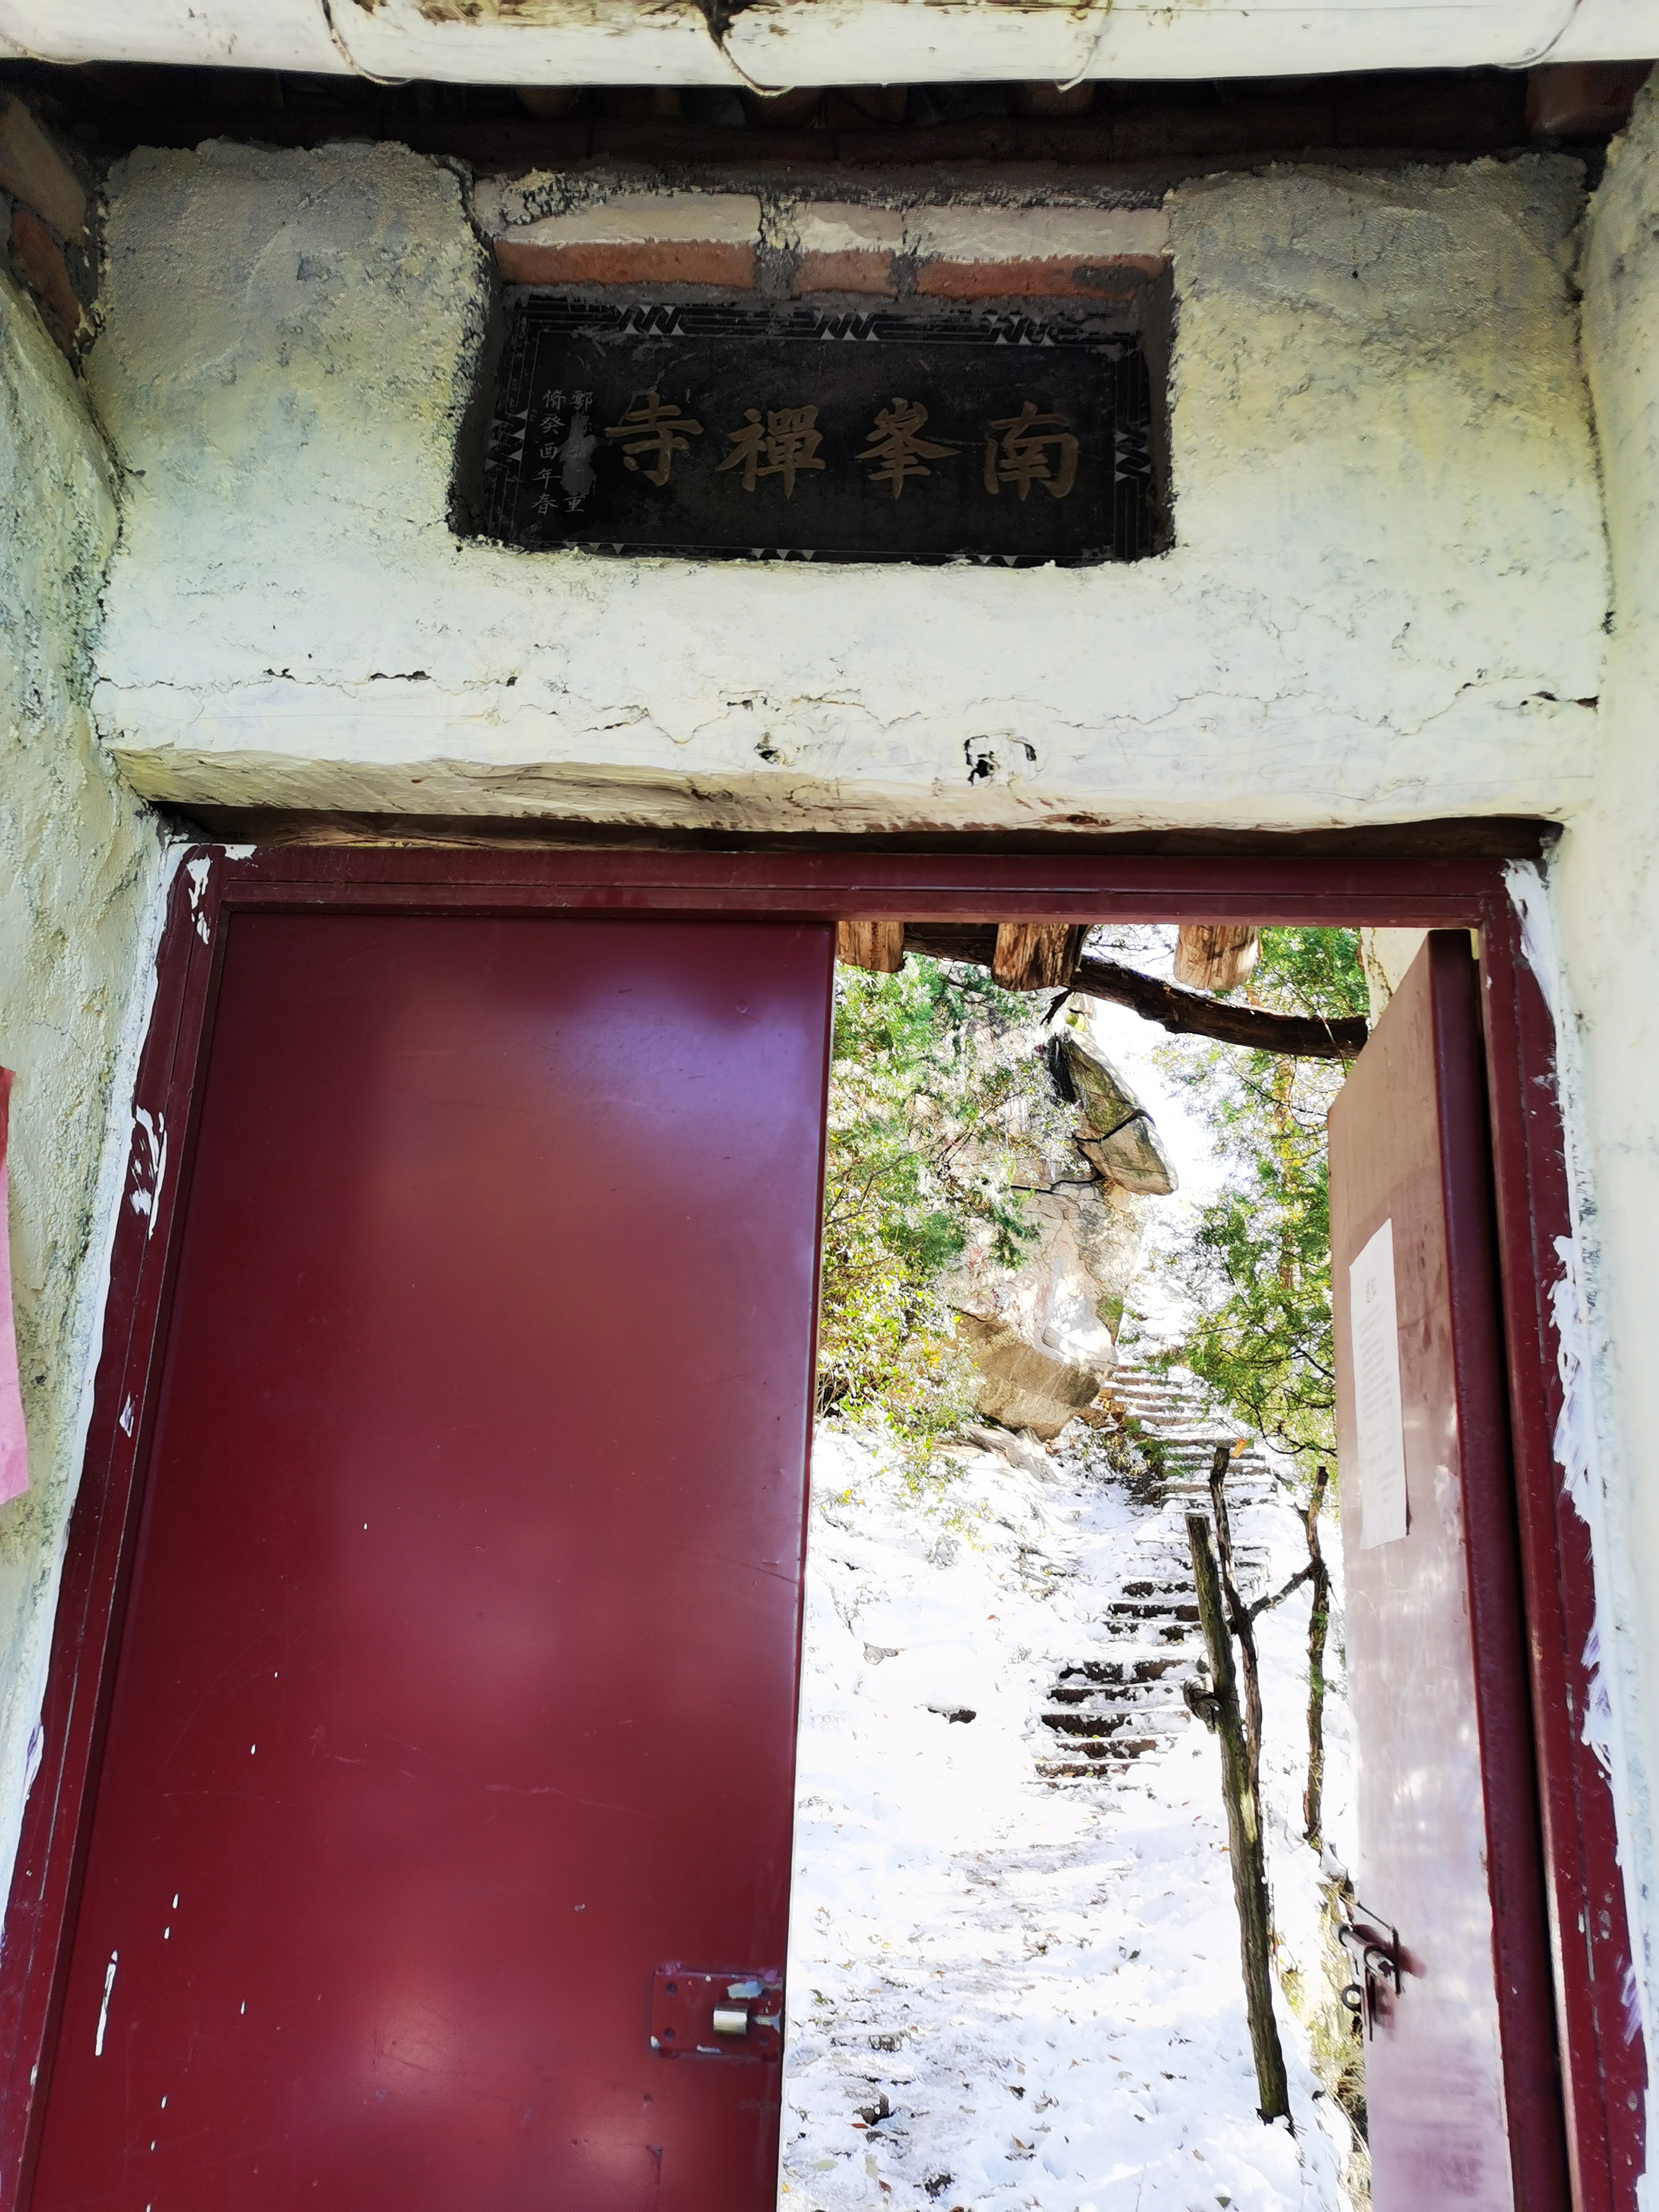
747	431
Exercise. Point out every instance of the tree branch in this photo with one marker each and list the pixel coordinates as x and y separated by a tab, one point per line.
1303	1036
1267	1604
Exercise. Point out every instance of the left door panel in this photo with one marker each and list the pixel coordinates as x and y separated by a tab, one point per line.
457	1688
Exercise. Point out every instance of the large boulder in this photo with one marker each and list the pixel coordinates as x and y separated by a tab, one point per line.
1043	1332
1117	1135
1020	1385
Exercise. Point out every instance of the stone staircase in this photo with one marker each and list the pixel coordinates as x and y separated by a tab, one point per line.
1125	1702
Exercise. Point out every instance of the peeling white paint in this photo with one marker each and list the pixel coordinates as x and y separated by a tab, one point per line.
197	870
1601	914
1574	1448
1609	1725
103	2009
1531	903
80	877
547	42
149	1164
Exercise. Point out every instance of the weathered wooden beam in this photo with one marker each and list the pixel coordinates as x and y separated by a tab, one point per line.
1215	956
877	945
1035	956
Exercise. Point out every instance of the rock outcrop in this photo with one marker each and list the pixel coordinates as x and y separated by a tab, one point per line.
1042	1333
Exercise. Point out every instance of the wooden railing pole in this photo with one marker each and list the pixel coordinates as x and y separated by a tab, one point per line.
1218	1707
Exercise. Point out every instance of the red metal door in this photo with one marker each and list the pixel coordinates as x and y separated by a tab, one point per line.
1462	2081
457	1690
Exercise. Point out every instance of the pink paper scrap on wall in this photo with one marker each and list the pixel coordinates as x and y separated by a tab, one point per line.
13	1443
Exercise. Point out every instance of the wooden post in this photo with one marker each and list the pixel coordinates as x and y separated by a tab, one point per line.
877	945
1220	1709
1035	956
1240	1618
1319	1621
1215	956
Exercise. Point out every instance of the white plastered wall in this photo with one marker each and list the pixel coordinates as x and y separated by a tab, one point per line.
1385	600
79	870
1606	889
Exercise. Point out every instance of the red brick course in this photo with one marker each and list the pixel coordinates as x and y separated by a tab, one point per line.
1046	278
858	270
652	261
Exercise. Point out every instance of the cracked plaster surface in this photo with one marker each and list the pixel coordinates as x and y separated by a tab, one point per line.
1384	600
78	869
1605	888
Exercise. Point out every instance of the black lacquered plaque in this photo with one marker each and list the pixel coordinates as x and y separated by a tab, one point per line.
750	432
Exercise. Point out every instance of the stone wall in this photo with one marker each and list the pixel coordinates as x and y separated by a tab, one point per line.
79	869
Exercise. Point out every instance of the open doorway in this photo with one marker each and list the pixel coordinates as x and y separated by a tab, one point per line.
1071	1256
548	958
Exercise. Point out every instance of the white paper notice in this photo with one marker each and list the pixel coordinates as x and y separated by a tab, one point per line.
1378	1421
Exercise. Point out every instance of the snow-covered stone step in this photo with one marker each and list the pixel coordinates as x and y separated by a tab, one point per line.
1113	1696
1164	1717
1105	1711
1132	1667
1099	1762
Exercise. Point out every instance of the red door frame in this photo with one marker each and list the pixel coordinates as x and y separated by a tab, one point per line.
1604	2061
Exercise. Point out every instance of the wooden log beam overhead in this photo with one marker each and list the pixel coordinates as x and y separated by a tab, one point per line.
1215	956
1035	956
876	945
1301	1036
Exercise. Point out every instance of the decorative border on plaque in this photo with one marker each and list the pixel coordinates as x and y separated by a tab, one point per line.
748	432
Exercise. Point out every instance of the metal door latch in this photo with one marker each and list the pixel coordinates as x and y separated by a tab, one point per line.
696	2014
1379	1959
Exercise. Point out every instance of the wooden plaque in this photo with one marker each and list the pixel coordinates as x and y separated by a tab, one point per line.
748	431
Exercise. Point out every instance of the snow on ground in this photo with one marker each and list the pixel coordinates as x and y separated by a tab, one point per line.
1006	1992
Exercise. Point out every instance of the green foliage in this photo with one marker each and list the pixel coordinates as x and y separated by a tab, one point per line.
934	1087
1309	971
1258	1269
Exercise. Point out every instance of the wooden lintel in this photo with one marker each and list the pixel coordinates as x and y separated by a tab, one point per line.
877	945
1215	956
1032	956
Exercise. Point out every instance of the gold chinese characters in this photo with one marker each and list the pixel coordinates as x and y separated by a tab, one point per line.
1033	446
895	443
789	438
655	428
1020	457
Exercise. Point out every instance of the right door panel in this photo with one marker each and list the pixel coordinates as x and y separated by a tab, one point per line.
1462	2080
